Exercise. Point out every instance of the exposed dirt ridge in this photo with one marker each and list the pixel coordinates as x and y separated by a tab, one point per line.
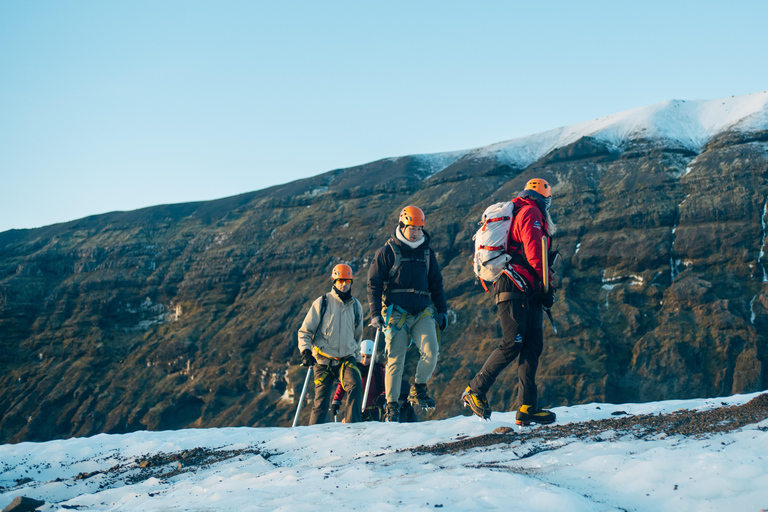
689	423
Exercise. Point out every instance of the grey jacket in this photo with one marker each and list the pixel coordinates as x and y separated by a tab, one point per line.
338	336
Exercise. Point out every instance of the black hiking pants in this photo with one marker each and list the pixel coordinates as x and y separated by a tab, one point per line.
326	376
522	339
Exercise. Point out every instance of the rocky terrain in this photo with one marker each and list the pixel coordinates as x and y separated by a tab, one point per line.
683	423
186	315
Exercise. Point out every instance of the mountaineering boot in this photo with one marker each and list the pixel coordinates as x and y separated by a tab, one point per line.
418	396
527	415
477	403
392	414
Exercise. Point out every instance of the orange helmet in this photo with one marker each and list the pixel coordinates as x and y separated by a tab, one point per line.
412	216
540	186
341	271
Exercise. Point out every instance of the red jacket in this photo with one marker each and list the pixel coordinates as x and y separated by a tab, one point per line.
528	226
377	383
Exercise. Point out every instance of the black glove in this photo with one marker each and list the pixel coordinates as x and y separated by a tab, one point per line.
377	322
548	299
335	405
442	321
381	401
307	359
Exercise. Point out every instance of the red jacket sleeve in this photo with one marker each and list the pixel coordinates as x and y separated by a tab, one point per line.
528	228
339	393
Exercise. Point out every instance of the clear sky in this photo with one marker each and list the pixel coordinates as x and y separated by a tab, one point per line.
117	105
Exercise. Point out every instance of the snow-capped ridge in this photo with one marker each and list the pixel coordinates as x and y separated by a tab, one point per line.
689	124
431	164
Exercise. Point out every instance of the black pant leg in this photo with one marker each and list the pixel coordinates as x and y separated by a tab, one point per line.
512	316
533	345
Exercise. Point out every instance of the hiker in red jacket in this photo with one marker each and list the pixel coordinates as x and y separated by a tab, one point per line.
374	406
521	302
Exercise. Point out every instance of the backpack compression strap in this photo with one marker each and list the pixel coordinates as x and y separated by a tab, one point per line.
396	265
485	225
495	219
399	258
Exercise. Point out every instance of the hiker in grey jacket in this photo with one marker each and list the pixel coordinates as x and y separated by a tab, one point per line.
407	301
329	342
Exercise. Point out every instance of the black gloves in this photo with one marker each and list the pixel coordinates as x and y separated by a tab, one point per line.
335	405
381	401
442	321
307	359
377	322
548	299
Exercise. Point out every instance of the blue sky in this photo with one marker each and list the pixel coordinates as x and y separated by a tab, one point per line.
119	105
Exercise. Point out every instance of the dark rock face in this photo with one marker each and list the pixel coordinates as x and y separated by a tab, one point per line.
186	315
24	504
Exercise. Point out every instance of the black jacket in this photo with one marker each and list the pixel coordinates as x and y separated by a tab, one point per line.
410	275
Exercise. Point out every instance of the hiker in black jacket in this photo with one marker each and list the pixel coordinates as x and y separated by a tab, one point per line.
405	287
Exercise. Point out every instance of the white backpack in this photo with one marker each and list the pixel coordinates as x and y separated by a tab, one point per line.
491	256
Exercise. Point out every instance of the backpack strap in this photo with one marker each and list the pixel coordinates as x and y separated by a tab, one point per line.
399	260
515	249
358	315
411	290
398	257
323	308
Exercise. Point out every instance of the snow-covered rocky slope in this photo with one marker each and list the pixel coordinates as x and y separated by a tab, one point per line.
372	466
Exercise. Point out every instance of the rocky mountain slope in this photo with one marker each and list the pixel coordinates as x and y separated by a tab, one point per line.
186	315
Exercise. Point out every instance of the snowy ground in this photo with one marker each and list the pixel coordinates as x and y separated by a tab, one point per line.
360	467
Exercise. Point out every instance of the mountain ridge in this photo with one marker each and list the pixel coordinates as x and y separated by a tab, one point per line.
186	315
706	120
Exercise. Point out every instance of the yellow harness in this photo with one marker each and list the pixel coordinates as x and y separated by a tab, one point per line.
403	316
328	372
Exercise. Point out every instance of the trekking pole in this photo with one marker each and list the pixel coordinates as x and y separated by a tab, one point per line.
301	400
370	369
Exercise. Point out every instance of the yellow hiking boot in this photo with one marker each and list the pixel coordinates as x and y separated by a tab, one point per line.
527	415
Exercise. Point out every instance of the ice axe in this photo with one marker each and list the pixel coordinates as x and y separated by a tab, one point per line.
301	400
545	264
545	277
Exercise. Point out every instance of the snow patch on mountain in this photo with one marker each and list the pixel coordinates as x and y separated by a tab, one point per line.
688	124
430	164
